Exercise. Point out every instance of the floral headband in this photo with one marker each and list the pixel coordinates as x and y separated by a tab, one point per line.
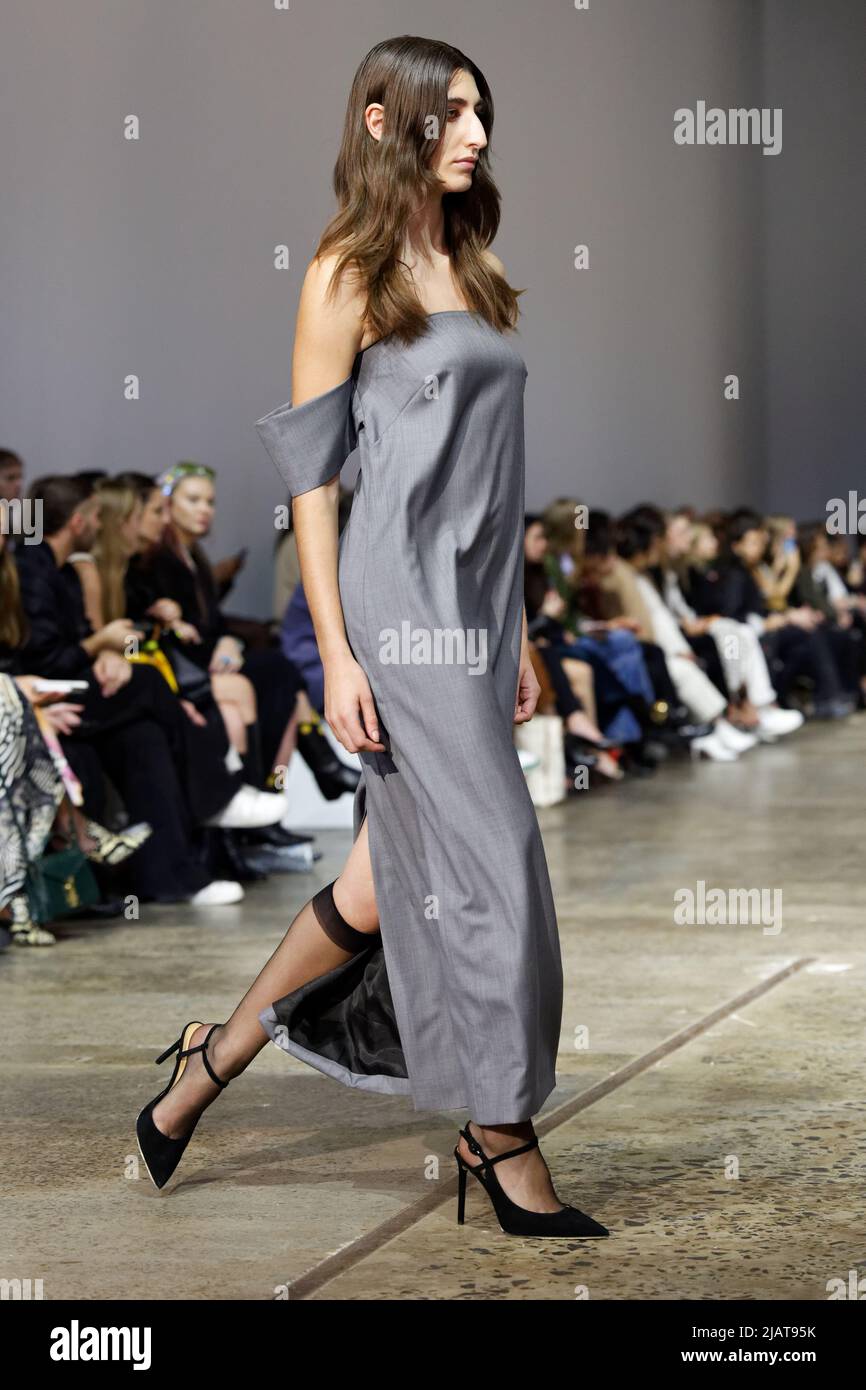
169	480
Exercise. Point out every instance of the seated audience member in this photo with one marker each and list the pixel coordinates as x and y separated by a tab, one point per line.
842	620
169	771
571	680
640	546
11	476
40	797
776	574
792	638
177	568
744	665
609	592
623	688
126	519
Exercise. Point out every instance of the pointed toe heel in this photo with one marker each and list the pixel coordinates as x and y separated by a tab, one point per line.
515	1220
159	1152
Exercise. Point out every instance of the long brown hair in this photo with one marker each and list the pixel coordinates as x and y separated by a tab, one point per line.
13	626
563	534
380	184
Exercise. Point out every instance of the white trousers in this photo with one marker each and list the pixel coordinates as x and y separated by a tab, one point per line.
743	661
697	692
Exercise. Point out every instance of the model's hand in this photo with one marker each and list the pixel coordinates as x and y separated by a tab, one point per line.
528	691
349	706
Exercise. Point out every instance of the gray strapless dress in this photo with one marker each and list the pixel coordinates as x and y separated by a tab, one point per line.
459	1002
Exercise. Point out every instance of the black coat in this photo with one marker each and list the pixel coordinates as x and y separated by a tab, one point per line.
738	594
163	574
57	625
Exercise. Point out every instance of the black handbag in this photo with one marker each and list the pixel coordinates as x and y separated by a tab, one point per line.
193	681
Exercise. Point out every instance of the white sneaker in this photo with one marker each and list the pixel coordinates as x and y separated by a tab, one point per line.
773	720
218	894
712	746
735	739
250	808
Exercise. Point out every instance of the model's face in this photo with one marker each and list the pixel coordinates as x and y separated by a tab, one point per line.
462	140
535	543
678	537
464	136
153	518
192	506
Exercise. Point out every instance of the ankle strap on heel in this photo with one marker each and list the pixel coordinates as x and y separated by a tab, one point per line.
202	1048
476	1148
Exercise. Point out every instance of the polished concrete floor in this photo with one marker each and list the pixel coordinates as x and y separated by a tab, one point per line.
710	1105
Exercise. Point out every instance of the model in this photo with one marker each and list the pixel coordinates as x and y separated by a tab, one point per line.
431	966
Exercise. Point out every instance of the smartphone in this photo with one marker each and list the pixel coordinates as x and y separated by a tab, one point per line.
59	687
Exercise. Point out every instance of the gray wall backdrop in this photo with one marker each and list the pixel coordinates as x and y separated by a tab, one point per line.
155	257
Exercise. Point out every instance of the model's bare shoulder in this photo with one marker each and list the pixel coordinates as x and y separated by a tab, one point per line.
329	329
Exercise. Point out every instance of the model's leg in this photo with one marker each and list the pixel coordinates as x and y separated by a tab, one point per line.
308	949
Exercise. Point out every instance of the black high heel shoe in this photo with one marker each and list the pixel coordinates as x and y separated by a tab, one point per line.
515	1220
161	1154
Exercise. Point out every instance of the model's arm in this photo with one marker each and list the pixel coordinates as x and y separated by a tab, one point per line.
528	689
327	338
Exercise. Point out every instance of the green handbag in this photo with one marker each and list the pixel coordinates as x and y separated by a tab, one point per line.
58	883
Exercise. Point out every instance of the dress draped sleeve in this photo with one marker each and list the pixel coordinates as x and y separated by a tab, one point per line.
309	443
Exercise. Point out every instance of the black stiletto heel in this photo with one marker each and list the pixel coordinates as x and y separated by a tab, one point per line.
515	1220
161	1154
461	1194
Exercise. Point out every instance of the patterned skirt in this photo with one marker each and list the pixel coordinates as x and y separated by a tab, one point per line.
31	789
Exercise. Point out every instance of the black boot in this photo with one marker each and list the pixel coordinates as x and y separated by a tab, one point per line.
254	773
332	775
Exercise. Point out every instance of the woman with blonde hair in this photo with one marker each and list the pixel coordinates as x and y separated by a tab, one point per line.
119	509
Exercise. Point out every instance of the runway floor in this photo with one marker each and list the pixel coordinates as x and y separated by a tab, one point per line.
709	1111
